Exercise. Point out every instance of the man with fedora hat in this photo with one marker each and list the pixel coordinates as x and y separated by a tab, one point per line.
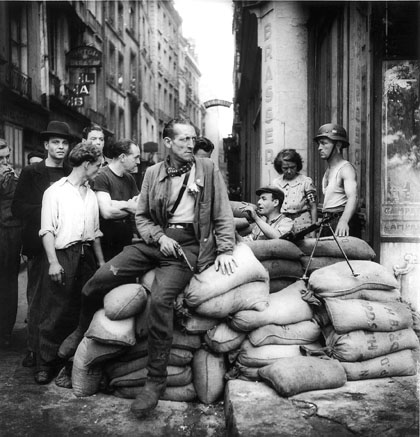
269	222
33	181
339	184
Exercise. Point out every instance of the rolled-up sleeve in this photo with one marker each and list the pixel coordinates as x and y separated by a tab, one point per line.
49	213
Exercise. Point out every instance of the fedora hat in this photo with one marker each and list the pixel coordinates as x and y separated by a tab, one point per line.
58	129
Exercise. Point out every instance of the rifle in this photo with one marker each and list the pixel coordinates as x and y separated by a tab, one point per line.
296	236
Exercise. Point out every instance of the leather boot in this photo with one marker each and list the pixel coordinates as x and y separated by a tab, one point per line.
148	399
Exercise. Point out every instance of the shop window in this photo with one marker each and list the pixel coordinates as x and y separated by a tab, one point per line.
400	210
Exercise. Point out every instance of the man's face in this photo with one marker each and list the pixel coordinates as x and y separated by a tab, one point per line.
57	147
325	147
131	159
182	145
266	204
97	138
93	168
4	156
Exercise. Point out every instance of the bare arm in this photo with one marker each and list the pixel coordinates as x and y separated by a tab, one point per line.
55	271
348	175
97	248
114	209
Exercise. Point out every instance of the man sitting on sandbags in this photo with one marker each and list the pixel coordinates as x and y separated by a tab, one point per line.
186	225
269	223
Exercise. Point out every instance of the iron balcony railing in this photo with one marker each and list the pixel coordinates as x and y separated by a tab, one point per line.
18	81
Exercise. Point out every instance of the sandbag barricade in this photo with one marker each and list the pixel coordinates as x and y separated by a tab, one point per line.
365	325
281	258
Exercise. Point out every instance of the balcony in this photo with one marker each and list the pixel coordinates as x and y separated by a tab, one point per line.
18	81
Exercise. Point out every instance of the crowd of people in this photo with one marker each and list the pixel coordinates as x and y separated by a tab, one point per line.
78	217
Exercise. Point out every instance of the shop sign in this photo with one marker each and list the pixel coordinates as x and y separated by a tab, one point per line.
87	78
84	56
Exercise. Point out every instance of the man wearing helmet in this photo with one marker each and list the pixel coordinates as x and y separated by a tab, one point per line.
339	184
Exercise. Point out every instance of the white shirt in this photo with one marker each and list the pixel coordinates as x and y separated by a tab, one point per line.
69	217
185	211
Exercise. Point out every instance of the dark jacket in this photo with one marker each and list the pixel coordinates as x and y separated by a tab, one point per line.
213	218
27	203
8	184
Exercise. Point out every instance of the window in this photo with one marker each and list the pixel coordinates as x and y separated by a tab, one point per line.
120	19
111	13
52	40
18	37
111	66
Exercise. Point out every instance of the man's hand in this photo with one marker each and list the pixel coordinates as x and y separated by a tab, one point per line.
342	229
168	246
249	210
56	272
226	263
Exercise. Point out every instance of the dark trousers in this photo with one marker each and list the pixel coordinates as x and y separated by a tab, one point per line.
172	275
60	303
36	278
10	245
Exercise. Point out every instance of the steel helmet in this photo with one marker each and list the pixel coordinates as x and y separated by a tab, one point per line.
333	132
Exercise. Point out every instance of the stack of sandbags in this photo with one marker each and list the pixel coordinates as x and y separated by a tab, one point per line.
364	323
128	373
281	258
240	218
327	251
277	332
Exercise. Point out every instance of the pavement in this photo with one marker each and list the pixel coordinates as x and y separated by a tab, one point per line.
378	407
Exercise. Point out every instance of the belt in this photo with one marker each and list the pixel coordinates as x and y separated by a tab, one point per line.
186	226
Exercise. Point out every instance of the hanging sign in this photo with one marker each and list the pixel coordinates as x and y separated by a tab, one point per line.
84	56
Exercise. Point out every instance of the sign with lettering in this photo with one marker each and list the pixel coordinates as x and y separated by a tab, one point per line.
75	101
87	78
80	89
84	56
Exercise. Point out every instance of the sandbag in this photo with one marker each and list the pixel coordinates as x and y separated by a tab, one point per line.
363	345
260	356
374	295
139	350
244	373
177	376
211	283
125	301
104	330
280	268
274	249
237	208
116	369
285	307
180	357
147	280
353	247
290	376
186	341
338	279
208	372
222	338
241	223
141	328
399	363
354	314
304	332
97	353
277	284
198	324
250	296
184	393
85	378
317	262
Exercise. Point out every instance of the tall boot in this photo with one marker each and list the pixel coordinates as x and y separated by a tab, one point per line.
68	347
155	385
147	400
